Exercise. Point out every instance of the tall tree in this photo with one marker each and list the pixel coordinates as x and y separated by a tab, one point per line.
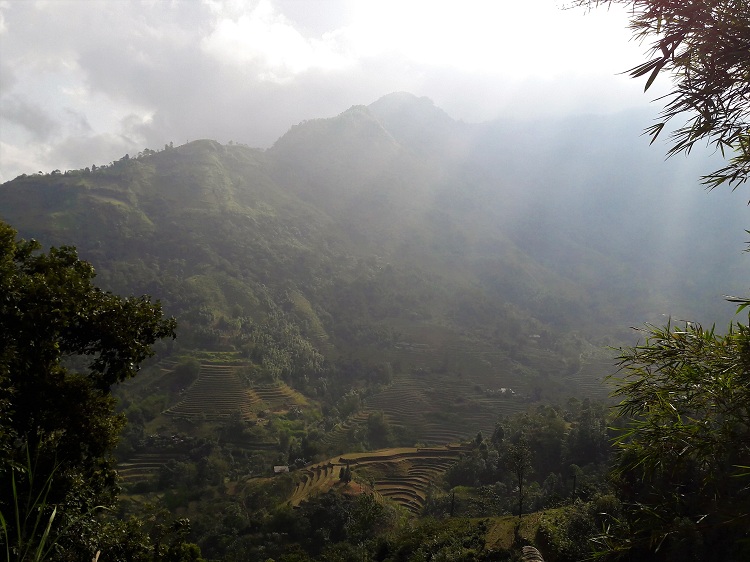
704	46
63	344
517	456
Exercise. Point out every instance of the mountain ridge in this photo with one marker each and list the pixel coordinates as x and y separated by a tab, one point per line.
379	194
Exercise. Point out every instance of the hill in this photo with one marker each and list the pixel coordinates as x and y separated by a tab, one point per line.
389	277
394	244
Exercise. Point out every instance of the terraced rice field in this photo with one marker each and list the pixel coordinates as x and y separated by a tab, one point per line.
410	489
441	409
338	437
142	466
217	393
458	386
589	380
278	396
407	473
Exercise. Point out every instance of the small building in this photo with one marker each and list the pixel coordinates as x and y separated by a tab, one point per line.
280	469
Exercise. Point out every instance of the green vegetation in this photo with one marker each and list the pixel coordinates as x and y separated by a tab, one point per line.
683	455
63	345
378	355
206	428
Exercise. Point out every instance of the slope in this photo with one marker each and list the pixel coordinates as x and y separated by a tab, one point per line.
391	235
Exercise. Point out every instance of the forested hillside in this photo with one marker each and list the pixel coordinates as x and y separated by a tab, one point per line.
395	251
386	278
395	211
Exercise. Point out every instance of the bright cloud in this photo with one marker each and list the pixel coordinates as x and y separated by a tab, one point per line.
516	40
266	38
137	73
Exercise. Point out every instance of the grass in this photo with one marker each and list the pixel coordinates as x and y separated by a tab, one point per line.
32	532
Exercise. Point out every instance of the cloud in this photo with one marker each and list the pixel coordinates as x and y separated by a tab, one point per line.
30	116
15	160
266	39
151	72
7	76
4	5
100	149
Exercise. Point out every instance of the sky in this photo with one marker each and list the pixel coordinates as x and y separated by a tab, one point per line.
84	82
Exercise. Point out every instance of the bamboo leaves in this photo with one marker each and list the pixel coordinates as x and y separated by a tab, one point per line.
704	47
685	445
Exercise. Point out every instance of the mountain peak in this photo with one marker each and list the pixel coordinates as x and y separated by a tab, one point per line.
417	122
400	104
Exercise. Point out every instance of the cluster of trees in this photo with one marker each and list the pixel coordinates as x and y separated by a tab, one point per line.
64	343
114	165
333	527
281	351
538	459
683	454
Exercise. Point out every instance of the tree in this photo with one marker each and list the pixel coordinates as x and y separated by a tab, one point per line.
345	474
518	456
63	344
703	45
379	433
683	463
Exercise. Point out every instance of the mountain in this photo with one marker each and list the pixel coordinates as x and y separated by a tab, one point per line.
512	250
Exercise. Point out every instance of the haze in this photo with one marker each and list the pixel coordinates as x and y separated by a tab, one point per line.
85	82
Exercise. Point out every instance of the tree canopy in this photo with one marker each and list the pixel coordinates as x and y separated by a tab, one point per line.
704	45
63	344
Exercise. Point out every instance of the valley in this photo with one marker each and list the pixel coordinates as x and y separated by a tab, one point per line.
388	291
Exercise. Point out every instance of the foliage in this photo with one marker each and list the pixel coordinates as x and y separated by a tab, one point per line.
155	538
527	465
567	532
63	344
308	285
30	519
281	351
345	474
459	540
518	460
379	432
683	454
685	445
333	518
703	45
